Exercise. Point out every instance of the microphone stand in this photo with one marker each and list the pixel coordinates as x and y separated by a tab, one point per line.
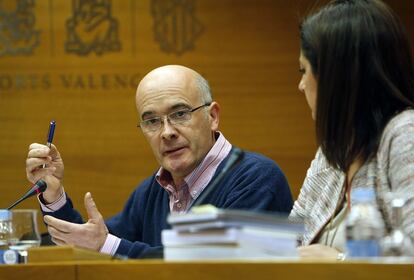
236	155
39	187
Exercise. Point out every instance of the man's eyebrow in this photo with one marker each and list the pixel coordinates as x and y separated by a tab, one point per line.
180	106
174	107
147	114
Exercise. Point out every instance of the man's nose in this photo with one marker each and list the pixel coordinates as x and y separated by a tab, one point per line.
168	131
301	85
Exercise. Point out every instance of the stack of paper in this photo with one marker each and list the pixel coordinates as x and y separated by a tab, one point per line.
230	234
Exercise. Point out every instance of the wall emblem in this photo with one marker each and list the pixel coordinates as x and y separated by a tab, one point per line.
176	27
92	28
17	28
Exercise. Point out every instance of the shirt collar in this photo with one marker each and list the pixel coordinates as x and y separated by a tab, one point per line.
195	180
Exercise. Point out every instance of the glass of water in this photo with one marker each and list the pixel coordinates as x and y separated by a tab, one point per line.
24	233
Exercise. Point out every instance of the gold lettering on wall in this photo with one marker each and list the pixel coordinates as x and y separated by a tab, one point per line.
103	81
69	81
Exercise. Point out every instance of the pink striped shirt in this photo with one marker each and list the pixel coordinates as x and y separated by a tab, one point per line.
182	196
180	200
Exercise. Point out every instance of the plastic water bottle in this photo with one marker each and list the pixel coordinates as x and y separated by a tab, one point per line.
6	256
364	225
397	243
5	228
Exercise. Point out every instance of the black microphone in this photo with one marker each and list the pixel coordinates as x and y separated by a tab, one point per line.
39	187
236	155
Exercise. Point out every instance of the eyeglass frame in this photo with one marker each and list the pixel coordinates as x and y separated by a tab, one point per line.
161	118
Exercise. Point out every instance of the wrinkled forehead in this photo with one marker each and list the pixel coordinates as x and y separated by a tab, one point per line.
160	93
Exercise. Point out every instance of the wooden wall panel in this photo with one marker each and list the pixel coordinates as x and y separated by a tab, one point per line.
248	50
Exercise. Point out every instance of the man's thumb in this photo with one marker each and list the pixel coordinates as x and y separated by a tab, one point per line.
91	208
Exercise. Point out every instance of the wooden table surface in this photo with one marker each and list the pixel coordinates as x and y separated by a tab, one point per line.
69	263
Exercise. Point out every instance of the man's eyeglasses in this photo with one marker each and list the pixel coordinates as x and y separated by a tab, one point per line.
177	117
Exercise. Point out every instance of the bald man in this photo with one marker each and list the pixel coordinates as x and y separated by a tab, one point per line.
180	120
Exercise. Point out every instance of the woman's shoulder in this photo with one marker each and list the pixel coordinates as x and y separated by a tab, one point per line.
398	133
402	118
319	164
401	124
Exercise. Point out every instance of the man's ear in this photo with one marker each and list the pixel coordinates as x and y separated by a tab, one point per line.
214	115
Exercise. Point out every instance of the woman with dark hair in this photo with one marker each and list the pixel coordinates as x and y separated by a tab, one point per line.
358	79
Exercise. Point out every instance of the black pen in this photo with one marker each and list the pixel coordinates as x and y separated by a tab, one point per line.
50	135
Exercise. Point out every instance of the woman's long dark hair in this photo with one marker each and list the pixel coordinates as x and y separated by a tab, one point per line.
361	58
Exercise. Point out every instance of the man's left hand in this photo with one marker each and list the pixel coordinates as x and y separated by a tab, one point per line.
90	235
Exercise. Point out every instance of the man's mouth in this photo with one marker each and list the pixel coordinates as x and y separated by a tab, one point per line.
173	151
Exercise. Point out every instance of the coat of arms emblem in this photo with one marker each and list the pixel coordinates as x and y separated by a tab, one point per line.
18	35
176	26
92	28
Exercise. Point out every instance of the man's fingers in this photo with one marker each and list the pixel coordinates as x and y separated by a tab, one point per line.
55	233
34	146
53	151
90	235
36	161
57	241
41	172
91	208
33	163
39	152
63	237
60	225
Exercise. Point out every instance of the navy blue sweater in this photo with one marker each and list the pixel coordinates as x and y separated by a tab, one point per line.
256	184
